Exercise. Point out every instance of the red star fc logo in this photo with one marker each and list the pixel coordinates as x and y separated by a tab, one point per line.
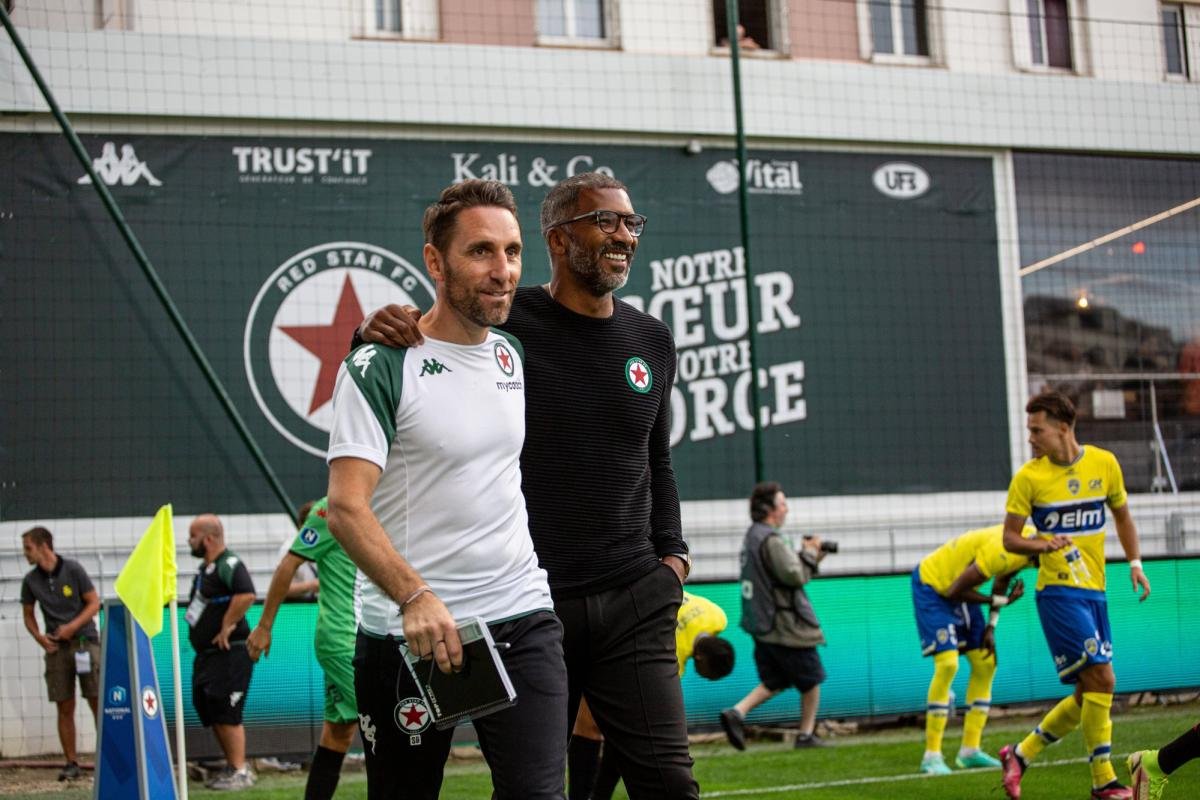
638	375
150	702
299	325
504	359
411	715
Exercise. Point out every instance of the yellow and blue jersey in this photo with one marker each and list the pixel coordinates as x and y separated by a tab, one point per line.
1070	499
697	615
983	547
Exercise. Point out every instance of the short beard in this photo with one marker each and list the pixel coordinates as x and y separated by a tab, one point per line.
585	264
467	302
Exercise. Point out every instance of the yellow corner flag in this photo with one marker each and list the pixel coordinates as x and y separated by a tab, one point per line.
147	581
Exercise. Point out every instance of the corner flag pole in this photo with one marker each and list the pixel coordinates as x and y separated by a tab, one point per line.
180	749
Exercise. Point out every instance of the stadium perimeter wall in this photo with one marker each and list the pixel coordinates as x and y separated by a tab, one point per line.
872	658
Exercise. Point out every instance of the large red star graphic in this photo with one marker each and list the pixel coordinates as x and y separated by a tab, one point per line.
639	374
149	702
415	715
328	342
505	358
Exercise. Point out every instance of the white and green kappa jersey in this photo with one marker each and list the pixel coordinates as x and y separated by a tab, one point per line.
446	424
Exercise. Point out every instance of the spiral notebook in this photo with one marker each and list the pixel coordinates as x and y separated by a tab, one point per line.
480	688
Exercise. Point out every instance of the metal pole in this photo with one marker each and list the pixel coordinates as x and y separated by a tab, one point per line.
148	270
735	60
180	748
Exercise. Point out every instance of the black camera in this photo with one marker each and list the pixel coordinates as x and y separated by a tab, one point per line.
827	545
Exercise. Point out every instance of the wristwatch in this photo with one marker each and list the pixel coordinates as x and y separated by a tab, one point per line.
686	558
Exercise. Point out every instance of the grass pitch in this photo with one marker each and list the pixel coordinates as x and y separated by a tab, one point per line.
861	767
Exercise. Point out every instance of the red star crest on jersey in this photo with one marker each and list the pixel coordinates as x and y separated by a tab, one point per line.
504	359
638	375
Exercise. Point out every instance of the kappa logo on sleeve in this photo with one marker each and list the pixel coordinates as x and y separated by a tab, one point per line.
363	357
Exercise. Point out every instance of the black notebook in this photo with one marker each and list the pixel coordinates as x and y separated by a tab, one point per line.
480	688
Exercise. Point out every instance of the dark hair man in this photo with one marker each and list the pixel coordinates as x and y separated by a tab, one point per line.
776	611
425	497
1065	488
597	476
69	604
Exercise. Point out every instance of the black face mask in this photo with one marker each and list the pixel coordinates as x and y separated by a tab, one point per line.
198	551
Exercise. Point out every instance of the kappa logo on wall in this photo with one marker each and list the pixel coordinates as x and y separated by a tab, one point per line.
300	323
762	177
125	169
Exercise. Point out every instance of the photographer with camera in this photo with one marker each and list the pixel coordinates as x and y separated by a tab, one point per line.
776	611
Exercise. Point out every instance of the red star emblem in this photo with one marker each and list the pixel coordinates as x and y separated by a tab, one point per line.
328	342
639	374
149	702
414	716
505	360
322	512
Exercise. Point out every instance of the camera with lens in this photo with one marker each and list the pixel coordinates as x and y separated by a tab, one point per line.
827	545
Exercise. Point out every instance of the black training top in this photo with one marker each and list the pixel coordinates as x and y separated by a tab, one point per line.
596	466
213	587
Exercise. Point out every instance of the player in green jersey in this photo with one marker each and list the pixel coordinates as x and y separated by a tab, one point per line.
334	640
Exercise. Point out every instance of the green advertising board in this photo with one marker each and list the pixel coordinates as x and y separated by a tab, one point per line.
880	334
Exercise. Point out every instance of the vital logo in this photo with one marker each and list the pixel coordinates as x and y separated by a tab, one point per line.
637	374
299	325
117	695
762	177
504	359
1077	519
235	698
309	536
329	165
901	180
126	169
431	366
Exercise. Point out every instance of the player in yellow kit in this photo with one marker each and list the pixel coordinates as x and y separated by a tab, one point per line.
1066	489
949	613
697	636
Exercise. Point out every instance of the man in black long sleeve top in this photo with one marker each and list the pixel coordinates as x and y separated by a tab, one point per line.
597	478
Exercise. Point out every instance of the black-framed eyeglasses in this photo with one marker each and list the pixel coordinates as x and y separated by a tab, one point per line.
608	221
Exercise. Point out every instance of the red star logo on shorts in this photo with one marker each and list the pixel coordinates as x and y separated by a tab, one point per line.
411	715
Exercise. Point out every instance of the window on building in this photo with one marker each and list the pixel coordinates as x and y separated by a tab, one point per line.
583	20
758	21
1050	33
899	27
1175	39
408	19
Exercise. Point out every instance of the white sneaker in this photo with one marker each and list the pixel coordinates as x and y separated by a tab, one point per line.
234	781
